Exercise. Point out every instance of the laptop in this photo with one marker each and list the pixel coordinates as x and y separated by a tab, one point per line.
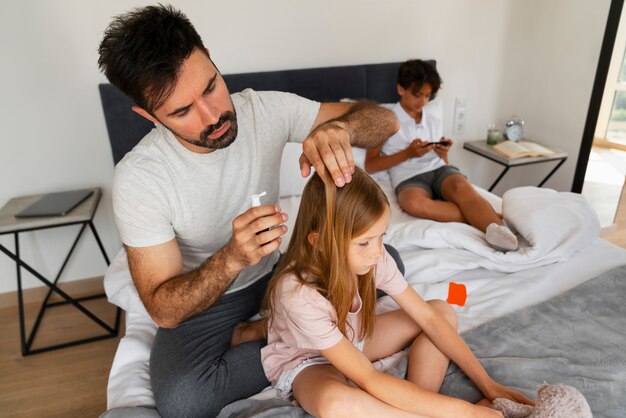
55	204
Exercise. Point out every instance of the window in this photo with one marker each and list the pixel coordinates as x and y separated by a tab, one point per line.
611	126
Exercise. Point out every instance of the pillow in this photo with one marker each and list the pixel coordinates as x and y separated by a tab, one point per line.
291	182
359	156
359	160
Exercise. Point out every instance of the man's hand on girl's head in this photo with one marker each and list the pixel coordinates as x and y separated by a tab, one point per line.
329	151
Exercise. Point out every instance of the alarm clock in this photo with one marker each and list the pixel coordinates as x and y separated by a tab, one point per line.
514	129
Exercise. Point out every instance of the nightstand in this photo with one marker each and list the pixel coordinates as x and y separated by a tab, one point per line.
80	215
486	151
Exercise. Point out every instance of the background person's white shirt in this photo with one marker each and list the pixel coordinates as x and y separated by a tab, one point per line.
429	129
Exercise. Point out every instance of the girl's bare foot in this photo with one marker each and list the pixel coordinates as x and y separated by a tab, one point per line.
249	331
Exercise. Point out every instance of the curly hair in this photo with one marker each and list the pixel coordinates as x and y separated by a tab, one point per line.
413	74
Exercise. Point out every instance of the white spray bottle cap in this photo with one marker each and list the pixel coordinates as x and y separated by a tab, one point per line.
256	199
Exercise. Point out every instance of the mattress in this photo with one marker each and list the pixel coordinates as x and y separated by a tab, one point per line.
491	293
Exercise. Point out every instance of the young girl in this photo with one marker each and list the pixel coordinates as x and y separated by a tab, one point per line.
323	331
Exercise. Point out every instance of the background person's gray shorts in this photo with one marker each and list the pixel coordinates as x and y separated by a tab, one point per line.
430	181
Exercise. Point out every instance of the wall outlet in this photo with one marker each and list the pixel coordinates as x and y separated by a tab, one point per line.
460	115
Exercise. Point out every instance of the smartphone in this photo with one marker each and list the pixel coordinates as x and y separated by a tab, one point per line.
437	143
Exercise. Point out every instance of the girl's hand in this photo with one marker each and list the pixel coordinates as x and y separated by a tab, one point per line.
496	390
328	149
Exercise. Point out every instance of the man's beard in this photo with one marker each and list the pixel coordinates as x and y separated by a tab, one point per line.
223	141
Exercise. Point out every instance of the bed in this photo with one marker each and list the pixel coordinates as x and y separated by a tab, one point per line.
520	306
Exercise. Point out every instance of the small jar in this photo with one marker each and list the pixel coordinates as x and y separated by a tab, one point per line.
493	134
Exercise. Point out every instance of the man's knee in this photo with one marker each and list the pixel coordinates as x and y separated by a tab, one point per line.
196	387
186	397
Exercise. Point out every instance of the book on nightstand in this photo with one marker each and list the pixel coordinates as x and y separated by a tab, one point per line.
511	150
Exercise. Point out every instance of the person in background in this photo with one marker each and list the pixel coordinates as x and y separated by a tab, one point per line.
417	160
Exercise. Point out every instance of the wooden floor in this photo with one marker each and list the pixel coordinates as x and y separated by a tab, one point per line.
72	382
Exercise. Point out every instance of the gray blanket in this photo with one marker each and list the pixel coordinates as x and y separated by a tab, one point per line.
577	338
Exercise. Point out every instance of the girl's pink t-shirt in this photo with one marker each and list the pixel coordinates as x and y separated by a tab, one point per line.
305	322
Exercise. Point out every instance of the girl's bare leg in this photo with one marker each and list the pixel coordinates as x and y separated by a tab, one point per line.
324	392
427	365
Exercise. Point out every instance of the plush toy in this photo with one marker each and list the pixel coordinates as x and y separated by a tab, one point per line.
553	401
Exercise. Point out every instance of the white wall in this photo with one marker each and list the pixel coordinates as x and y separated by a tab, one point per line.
55	138
549	69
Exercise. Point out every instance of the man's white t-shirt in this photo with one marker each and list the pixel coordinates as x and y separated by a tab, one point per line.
162	190
429	129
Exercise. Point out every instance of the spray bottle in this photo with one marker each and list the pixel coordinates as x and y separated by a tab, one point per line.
256	201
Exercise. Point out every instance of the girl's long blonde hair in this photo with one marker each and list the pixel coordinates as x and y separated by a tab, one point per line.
337	215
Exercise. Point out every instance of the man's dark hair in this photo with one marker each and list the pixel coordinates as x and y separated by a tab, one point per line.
143	50
413	74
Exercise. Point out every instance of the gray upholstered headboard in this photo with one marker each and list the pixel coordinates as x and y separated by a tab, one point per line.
375	82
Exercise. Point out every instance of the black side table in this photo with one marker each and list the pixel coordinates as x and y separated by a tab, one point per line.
80	215
481	148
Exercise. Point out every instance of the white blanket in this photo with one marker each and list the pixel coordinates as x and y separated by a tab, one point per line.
553	226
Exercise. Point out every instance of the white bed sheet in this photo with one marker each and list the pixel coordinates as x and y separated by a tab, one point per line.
490	294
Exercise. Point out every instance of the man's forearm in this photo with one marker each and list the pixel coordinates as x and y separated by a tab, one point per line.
170	297
368	124
188	294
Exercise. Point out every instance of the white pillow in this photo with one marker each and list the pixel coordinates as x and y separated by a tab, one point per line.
359	160
291	182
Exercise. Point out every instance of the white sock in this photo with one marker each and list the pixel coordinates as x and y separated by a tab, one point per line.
501	237
508	225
